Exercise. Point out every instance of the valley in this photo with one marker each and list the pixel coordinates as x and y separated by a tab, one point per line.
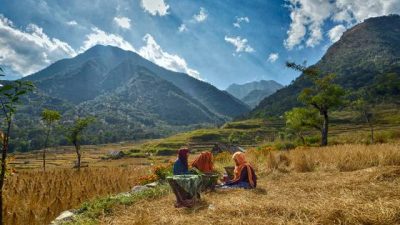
96	130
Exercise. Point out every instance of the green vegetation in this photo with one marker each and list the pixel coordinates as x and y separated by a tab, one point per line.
49	118
74	135
247	132
323	95
300	120
90	212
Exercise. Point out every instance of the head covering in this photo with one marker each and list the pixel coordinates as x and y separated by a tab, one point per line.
241	163
204	162
183	156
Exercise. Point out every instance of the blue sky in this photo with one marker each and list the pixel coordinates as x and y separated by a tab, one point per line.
221	42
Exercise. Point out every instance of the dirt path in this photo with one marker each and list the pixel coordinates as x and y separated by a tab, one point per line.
369	196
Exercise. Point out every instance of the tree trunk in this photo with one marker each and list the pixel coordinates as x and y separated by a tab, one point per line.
372	133
44	159
78	154
302	139
324	131
4	168
370	127
44	150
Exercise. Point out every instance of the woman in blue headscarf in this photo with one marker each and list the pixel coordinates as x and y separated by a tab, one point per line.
181	163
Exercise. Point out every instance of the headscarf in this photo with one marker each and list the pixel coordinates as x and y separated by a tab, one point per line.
183	156
204	162
240	158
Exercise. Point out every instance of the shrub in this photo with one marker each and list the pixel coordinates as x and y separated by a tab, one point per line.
312	140
284	145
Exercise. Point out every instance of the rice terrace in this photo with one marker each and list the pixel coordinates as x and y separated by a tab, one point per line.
200	112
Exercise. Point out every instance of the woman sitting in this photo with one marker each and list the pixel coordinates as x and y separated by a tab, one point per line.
183	198
244	175
204	162
181	163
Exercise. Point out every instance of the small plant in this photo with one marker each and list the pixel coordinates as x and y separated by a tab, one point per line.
159	173
162	171
10	94
74	135
49	118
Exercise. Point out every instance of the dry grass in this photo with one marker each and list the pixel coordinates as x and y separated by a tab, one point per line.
36	197
349	184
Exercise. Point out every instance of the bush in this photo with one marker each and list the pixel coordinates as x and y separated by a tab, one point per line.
312	140
162	172
284	146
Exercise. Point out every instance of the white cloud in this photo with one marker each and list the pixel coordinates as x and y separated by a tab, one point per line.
273	57
360	10
336	32
182	28
123	22
72	23
240	20
100	37
152	51
309	16
240	44
201	16
155	7
27	51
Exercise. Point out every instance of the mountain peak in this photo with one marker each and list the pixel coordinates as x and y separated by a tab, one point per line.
364	53
241	90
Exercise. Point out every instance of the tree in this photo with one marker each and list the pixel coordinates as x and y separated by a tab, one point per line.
49	118
300	120
74	135
10	94
323	95
365	109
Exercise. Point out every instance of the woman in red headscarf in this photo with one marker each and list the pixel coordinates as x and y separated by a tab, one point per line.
204	162
244	175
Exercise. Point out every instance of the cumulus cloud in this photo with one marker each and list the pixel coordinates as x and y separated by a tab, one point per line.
336	32
101	37
182	28
152	51
155	7
240	20
27	51
123	22
201	16
240	44
309	16
273	57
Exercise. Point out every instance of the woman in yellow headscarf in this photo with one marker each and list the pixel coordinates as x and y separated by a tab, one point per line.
244	175
204	162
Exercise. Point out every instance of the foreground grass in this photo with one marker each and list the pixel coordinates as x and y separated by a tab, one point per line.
90	212
369	196
35	197
347	184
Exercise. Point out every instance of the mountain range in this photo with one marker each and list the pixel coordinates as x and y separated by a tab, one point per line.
367	56
130	97
253	92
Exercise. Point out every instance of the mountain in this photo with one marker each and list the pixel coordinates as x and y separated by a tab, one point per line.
93	72
252	93
131	98
366	56
256	96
